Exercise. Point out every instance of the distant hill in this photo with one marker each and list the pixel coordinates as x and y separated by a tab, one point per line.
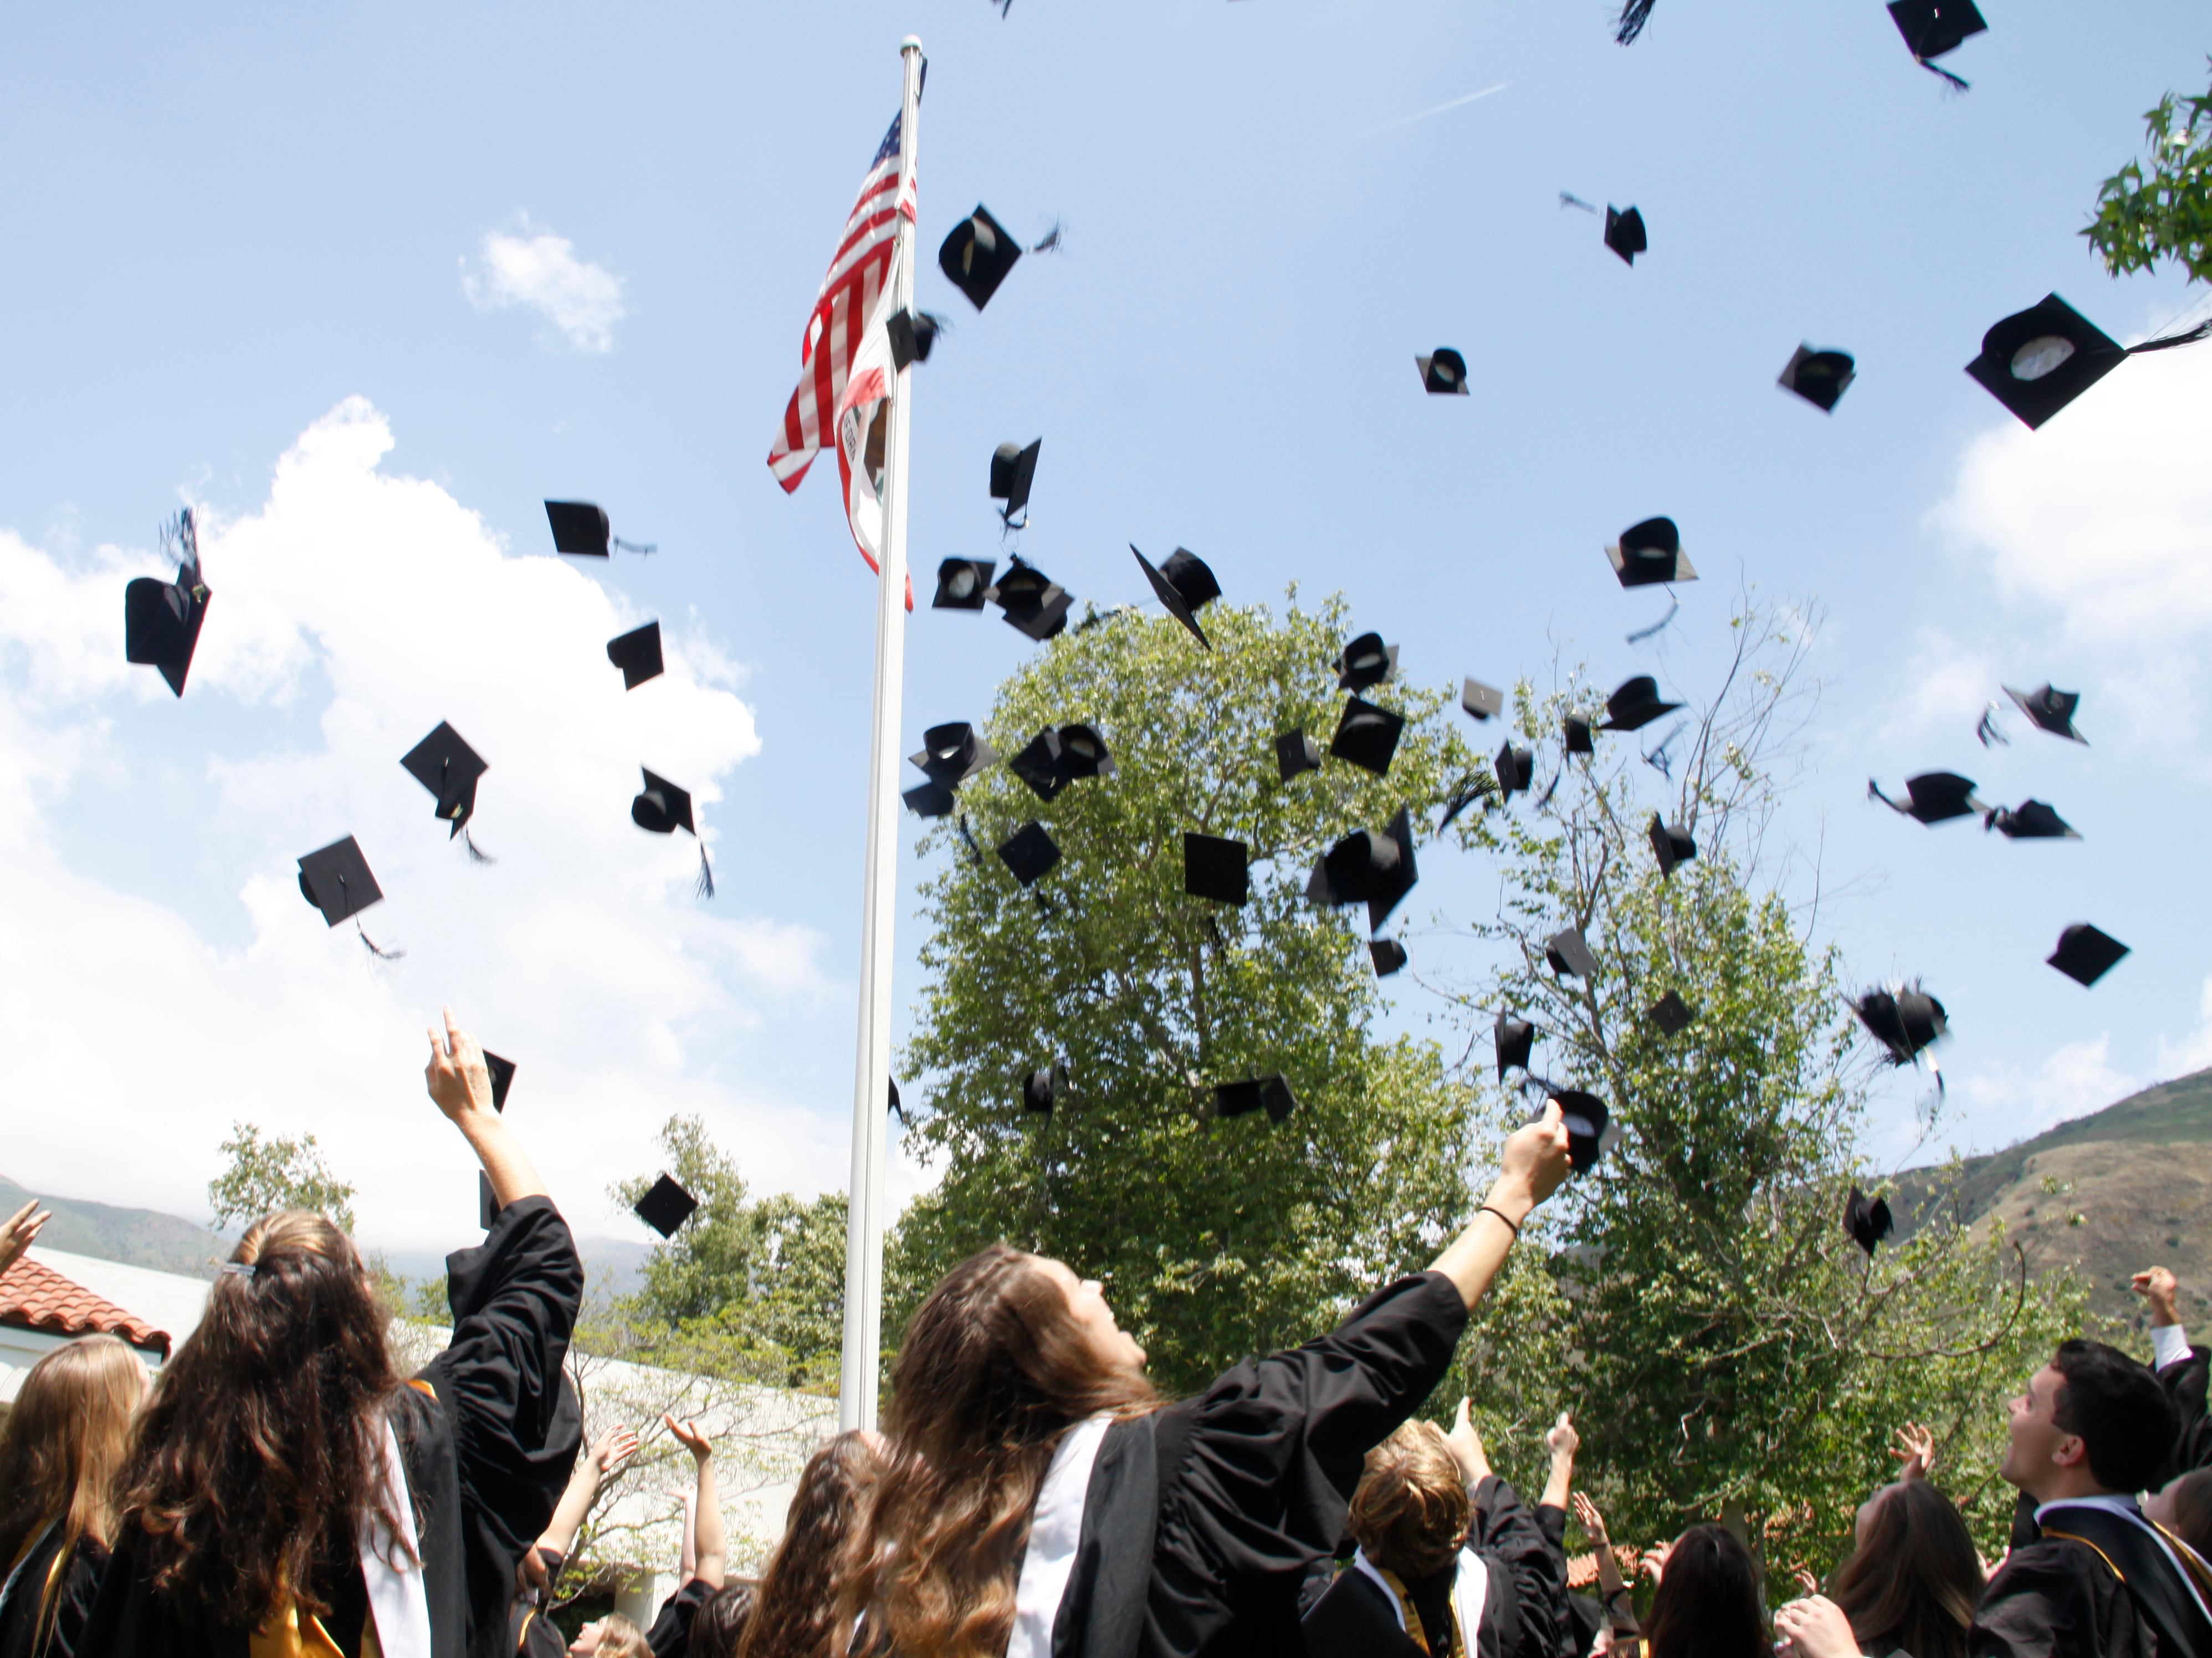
137	1237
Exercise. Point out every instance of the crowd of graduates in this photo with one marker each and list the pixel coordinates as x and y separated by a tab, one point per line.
280	1490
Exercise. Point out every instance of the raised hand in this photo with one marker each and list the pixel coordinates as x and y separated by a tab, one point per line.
1465	1447
616	1446
1561	1439
1591	1521
456	1075
1815	1627
1534	1160
20	1232
1915	1451
689	1437
2162	1290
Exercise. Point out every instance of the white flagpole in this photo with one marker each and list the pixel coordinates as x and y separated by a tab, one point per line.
864	1213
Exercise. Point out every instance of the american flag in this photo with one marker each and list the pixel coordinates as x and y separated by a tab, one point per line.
841	310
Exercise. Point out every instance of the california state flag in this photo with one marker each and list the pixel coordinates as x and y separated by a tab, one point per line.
863	417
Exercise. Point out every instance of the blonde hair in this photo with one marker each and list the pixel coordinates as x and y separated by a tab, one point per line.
1411	1511
621	1638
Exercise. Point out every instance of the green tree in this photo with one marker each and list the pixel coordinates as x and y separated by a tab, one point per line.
1728	1350
267	1175
2163	211
1215	1237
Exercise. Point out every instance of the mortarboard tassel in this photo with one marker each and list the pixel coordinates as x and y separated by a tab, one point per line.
1474	788
1987	728
2187	336
1553	787
974	852
1643	633
1874	793
1634	14
636	547
704	888
1658	759
476	854
1957	85
1568	200
382	955
1051	243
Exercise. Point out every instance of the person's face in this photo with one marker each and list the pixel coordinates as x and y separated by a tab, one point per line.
2039	1447
586	1641
1114	1348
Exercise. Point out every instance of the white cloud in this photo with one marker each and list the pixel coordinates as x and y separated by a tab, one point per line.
2194	1051
2075	1080
583	300
149	1006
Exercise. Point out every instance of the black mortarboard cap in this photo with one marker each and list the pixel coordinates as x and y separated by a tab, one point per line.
1038	764
2051	710
637	654
1387	954
1083	754
1903	1021
1932	28
487	1201
1650	554
1271	1094
1819	376
1866	1220
1516	1040
1376	867
1575	732
1442	372
1635	705
1296	752
579	526
930	800
446	766
1029	852
661	807
2085	955
666	1206
912	335
1215	867
1934	796
1013	469
963	584
1671	1014
1042	1088
502	1078
336	880
1184	584
1032	601
161	619
1624	233
1366	661
1516	770
1367	736
976	255
1569	954
2035	820
1480	699
952	753
1584	1117
1671	844
2038	361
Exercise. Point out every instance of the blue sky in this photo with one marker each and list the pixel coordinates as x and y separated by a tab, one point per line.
263	233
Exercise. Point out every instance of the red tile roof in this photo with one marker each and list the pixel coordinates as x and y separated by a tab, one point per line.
1581	1570
36	1298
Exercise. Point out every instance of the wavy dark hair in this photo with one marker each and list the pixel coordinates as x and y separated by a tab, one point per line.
798	1595
1707	1606
1914	1581
262	1447
992	1370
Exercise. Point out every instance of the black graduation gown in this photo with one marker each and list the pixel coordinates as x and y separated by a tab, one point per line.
2105	1590
2186	1381
1201	1520
671	1634
487	1436
78	1583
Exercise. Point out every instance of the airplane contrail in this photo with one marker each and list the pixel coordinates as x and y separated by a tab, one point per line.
1408	120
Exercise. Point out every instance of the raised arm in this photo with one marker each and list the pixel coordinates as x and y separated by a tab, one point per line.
712	1539
2169	1342
1563	1442
462	1087
20	1232
1608	1566
1533	1165
616	1446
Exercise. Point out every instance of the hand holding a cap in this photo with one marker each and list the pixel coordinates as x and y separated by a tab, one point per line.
2162	1290
460	1082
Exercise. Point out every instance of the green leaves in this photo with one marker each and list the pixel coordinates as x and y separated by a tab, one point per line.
2165	213
276	1173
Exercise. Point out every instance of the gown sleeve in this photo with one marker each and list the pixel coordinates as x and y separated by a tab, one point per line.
671	1634
2043	1603
1512	1540
2185	1383
1256	1475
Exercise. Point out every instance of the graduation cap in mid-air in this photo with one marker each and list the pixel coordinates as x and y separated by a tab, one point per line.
1624	233
1367	736
912	334
976	254
1029	853
1184	584
1214	866
501	1072
1296	752
1270	1094
1932	28
1671	844
1479	700
583	528
1635	704
1377	869
1365	661
2051	710
1516	770
2038	361
1044	1087
951	755
336	880
666	1206
1649	555
1444	372
1819	376
1054	758
963	584
161	619
1904	1021
1516	1040
445	764
2085	955
1585	1116
1866	1220
1569	954
1574	733
1934	796
1013	471
1031	601
637	654
2033	820
661	808
1388	955
1671	1014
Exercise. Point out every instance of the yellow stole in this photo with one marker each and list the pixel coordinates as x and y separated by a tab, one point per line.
1406	1610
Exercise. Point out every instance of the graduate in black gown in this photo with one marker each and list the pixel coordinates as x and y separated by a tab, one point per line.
1044	1504
2184	1370
291	1496
531	1629
2099	1579
65	1438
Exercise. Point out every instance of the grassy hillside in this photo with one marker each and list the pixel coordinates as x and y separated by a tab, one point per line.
137	1237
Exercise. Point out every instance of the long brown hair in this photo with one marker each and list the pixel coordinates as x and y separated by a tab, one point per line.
1707	1606
263	1445
992	1370
1915	1582
62	1450
792	1613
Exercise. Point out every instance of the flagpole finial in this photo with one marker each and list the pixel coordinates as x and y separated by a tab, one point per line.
912	43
